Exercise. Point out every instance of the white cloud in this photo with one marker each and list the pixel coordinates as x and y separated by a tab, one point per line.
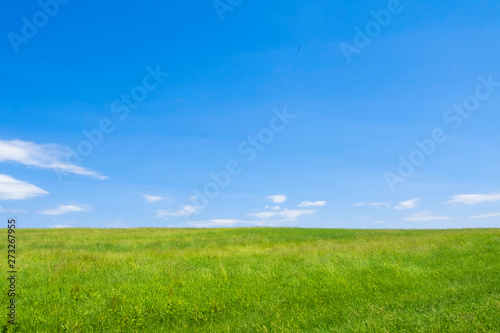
409	204
483	216
152	198
60	226
13	189
374	204
276	208
215	223
46	156
425	216
183	211
10	210
63	209
288	215
312	203
277	198
471	199
232	222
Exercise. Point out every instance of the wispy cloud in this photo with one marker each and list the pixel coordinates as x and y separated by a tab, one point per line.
374	204
13	189
425	216
277	198
45	156
409	204
63	209
215	223
10	210
232	222
152	198
483	216
183	211
471	199
287	215
312	203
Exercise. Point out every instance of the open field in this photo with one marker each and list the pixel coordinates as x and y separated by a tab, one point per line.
257	280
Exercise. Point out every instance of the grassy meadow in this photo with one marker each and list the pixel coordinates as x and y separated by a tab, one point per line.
256	280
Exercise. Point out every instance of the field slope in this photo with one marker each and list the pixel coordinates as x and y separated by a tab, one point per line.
257	280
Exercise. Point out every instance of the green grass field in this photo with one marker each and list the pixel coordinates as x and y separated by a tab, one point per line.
257	280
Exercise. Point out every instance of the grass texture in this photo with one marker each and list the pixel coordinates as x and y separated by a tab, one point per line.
256	280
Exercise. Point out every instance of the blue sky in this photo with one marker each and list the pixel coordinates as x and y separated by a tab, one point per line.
371	114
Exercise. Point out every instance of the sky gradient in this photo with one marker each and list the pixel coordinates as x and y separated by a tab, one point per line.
337	114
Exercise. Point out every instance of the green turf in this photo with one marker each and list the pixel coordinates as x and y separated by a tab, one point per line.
257	280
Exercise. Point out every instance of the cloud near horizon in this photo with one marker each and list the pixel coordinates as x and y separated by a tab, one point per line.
10	210
471	199
483	216
409	204
182	211
13	189
63	209
312	203
227	223
215	223
277	198
374	204
425	216
44	156
287	215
